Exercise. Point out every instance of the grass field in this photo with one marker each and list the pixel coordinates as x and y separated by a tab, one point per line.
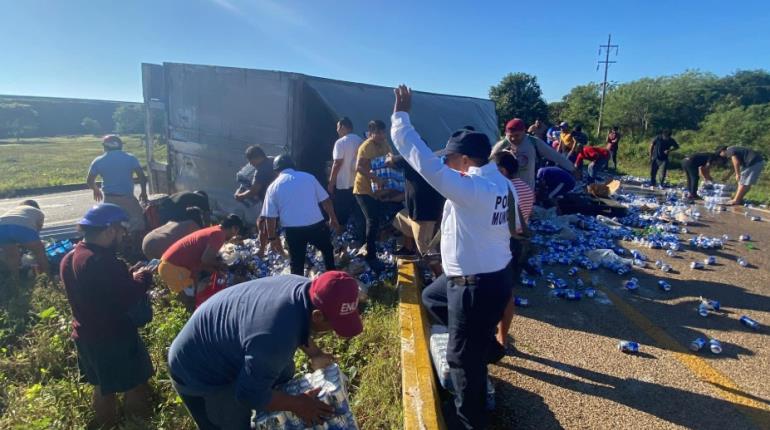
48	161
40	388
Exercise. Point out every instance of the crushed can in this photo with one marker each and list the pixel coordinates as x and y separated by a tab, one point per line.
750	323
521	302
715	346
697	344
628	347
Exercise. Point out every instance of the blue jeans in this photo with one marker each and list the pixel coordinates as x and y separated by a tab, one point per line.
471	313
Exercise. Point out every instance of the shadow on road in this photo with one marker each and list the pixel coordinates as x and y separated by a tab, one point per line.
677	406
521	409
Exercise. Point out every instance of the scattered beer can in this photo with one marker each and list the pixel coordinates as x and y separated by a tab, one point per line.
572	295
664	285
756	218
697	344
628	346
744	238
658	264
725	237
742	262
631	285
712	305
710	260
670	253
715	346
591	293
696	265
684	230
572	271
750	323
521	302
579	283
666	268
703	310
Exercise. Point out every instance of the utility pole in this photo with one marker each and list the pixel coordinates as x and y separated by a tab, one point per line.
607	48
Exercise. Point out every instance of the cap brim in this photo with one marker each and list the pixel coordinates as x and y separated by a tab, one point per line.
348	326
443	152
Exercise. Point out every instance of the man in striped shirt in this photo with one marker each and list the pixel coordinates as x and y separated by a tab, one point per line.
509	167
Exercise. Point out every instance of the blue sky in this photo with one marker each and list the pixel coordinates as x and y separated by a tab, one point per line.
93	49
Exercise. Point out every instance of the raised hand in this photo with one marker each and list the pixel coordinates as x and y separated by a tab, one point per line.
403	99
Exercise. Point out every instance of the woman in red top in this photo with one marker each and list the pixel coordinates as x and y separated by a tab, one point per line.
599	157
613	138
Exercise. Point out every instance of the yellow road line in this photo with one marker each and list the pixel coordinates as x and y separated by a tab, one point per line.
728	390
422	408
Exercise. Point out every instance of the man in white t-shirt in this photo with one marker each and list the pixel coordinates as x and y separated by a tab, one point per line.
293	197
344	170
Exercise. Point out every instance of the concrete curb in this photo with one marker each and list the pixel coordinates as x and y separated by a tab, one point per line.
422	407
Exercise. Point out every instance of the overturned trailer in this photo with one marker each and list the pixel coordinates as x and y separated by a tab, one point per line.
207	115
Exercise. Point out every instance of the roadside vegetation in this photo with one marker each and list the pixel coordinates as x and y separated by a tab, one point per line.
39	381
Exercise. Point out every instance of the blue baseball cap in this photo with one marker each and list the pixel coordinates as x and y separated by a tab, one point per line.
105	215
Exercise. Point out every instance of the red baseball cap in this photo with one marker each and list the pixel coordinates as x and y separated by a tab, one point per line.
516	124
335	294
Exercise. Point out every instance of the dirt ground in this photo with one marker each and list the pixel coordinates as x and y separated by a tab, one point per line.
569	374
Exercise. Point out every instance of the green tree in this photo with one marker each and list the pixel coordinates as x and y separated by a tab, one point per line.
91	126
637	107
129	118
742	125
17	120
556	112
747	87
518	95
581	106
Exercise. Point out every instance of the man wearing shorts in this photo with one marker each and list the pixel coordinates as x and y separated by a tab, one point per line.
109	303
748	165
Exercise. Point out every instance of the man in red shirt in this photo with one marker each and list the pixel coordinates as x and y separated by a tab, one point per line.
181	264
599	157
109	303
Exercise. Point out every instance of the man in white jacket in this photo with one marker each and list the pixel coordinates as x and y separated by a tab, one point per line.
470	298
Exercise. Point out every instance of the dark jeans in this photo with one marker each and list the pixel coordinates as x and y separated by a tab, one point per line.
345	207
595	167
219	409
317	235
693	177
372	210
471	313
656	164
614	156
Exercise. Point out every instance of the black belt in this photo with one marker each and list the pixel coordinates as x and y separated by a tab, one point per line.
464	280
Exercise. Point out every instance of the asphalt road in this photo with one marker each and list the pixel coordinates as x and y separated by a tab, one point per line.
62	210
569	374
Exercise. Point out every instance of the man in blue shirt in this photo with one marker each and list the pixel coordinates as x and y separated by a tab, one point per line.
117	168
240	344
552	183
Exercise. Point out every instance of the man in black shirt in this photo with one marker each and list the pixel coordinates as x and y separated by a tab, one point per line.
660	147
747	164
423	210
176	210
253	197
695	166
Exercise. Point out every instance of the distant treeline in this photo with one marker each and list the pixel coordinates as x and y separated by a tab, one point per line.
26	116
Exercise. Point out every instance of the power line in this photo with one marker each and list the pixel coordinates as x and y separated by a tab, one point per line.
607	48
